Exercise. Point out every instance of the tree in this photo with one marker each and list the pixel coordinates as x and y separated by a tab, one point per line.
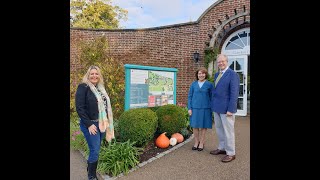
96	52
96	14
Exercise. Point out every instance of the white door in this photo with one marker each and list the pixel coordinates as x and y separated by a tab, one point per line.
239	65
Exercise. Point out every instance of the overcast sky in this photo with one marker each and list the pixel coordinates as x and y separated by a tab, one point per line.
154	13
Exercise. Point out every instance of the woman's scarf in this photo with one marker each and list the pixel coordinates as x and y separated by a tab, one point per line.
105	123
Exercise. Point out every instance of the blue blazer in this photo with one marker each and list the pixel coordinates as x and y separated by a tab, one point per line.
200	97
225	94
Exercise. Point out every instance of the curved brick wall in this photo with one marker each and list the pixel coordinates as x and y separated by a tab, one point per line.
166	46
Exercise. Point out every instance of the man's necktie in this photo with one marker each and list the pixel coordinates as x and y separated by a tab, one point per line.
218	78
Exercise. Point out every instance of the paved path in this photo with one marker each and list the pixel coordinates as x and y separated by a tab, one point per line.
78	166
183	163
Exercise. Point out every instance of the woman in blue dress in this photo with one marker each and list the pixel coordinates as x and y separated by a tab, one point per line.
199	107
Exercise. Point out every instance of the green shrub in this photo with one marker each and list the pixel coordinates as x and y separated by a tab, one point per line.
77	139
187	118
171	119
117	157
116	128
154	109
185	133
138	125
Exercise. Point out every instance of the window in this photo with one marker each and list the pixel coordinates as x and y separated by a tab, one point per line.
239	41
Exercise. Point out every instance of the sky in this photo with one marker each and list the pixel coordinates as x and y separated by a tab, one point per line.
155	13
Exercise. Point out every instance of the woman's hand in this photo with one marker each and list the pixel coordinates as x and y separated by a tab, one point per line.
190	112
93	129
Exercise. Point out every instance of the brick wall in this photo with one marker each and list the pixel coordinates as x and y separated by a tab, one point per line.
167	46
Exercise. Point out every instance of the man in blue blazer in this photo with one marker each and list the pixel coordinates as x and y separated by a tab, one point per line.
224	105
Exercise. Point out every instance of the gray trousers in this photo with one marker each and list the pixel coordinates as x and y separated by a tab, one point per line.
225	130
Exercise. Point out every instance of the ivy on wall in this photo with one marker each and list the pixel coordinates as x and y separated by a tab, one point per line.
210	55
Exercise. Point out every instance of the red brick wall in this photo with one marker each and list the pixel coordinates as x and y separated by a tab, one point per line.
167	46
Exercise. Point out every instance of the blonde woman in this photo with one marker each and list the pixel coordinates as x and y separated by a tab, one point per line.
95	112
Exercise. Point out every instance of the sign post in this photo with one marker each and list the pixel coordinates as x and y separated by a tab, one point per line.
149	86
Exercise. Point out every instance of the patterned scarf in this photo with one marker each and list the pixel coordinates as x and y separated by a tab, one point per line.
105	123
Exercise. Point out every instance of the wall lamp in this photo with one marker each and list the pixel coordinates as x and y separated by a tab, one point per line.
196	56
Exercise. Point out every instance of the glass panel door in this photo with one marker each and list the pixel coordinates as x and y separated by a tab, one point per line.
239	65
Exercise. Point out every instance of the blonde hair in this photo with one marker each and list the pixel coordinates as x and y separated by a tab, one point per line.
85	78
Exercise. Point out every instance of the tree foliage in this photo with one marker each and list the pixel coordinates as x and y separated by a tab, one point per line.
96	14
96	52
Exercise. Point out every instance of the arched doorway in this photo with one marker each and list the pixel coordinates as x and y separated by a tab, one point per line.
237	48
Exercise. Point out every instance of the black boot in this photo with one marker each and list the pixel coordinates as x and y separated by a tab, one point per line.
92	170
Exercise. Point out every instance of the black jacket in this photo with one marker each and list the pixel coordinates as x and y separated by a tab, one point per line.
86	104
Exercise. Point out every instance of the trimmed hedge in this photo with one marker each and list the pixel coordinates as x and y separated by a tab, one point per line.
138	125
171	119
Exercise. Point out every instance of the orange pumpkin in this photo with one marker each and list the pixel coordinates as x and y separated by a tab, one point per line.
162	141
178	136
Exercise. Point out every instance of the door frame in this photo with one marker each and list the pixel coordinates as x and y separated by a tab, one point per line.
242	52
243	83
